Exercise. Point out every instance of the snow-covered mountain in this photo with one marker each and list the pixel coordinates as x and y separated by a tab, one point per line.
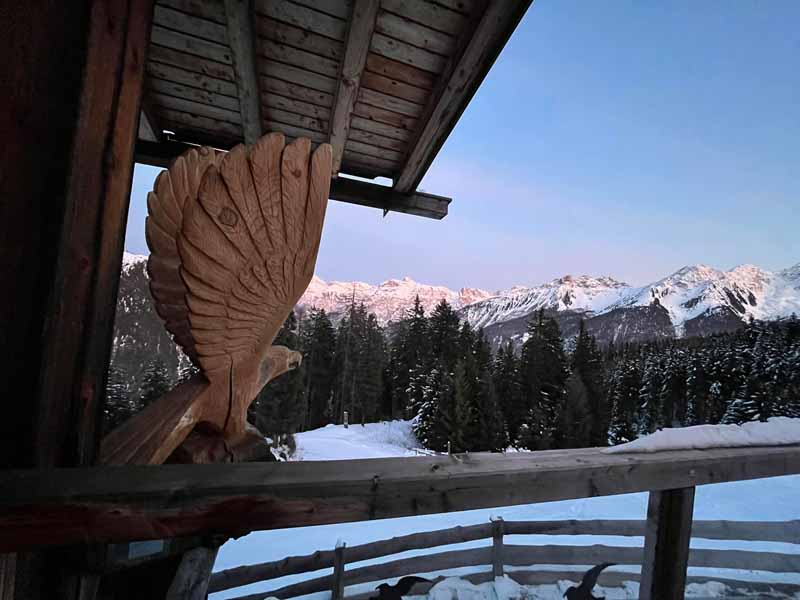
694	300
389	300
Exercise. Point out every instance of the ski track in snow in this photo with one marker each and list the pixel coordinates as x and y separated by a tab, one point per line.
774	499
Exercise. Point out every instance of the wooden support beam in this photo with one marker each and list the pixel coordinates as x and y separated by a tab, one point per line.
497	547
337	587
149	129
191	579
241	39
666	544
362	24
343	189
106	504
461	79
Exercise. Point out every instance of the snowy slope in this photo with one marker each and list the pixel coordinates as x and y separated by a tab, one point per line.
389	300
772	499
372	440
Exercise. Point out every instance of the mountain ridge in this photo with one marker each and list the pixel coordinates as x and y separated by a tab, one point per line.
694	300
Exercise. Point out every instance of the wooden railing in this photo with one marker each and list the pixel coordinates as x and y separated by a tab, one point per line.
54	507
500	556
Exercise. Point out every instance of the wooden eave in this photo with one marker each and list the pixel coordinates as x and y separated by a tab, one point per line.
384	81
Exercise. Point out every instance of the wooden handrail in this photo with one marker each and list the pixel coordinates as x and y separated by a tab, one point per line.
109	504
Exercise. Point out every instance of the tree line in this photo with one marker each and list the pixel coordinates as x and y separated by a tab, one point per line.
463	395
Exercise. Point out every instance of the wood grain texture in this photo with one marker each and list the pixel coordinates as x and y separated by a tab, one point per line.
63	506
233	242
666	544
191	579
241	39
359	34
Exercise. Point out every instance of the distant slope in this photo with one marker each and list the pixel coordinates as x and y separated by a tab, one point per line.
372	440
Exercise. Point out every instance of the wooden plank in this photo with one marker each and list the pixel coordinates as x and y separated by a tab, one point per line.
337	584
241	39
296	132
405	30
376	127
297	76
497	547
223	580
8	571
362	24
183	77
336	8
428	14
407	54
299	38
298	58
393	87
291	118
376	140
194	108
190	44
148	125
206	9
385	166
374	151
388	117
184	92
281	102
377	196
387	102
190	62
191	579
399	71
303	17
283	89
666	544
190	25
180	121
60	506
463	75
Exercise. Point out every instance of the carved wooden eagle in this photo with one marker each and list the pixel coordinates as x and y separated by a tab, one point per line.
233	241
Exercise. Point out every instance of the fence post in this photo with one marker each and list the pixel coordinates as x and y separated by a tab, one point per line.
497	546
337	590
345	419
666	544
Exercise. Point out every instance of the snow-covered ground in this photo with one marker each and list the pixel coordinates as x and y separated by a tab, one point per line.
776	499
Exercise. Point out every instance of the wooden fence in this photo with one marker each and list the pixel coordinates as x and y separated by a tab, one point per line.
500	556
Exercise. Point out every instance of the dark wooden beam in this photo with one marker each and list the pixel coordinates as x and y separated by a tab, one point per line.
461	79
107	504
387	199
149	129
666	544
343	189
359	34
241	38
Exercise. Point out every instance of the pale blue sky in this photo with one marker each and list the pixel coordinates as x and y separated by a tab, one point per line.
625	138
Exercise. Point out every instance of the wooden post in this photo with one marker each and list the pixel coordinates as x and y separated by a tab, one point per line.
337	589
666	544
194	572
497	546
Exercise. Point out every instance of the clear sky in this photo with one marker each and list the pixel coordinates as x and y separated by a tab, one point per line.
626	138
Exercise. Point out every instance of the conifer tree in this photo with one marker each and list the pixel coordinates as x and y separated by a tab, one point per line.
506	379
625	385
410	353
587	364
155	383
318	342
118	407
543	374
433	424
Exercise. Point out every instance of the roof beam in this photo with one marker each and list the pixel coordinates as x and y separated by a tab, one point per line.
362	23
461	79
243	54
148	125
343	189
106	504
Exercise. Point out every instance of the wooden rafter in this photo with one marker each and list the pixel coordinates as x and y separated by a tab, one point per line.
462	77
343	189
362	24
243	54
149	129
60	506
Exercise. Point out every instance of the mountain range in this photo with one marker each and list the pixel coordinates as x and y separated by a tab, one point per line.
695	300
